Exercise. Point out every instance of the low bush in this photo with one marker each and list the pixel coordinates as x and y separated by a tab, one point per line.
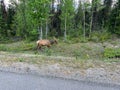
100	36
112	52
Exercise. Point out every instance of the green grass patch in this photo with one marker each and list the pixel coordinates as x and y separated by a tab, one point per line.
112	52
18	46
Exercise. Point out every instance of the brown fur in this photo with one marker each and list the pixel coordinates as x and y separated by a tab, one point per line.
45	42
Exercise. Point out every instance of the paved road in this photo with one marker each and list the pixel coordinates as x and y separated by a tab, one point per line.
12	81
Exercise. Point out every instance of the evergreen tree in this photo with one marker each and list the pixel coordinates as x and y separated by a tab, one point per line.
20	18
95	14
107	11
10	19
55	21
79	15
79	20
114	22
3	19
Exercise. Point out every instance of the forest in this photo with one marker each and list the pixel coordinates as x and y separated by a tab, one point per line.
66	19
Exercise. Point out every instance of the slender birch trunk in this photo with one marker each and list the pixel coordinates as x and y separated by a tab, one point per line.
84	23
65	36
46	29
41	32
91	23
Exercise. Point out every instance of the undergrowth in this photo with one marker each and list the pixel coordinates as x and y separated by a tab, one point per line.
88	50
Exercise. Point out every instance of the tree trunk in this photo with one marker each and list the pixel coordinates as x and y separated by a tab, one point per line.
46	29
91	23
84	23
65	36
41	31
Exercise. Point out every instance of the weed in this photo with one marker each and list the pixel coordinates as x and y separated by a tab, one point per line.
48	51
100	36
112	52
21	59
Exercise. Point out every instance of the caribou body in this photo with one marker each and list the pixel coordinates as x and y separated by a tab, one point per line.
45	42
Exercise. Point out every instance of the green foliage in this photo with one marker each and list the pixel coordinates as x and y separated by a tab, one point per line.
114	22
24	18
39	11
79	16
80	54
53	32
67	16
76	40
48	51
112	52
3	48
69	49
21	59
100	36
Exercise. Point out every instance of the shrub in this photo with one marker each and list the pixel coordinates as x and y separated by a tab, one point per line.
3	48
100	36
48	51
80	54
112	53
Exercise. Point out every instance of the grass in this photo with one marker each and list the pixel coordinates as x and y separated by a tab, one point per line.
17	46
79	51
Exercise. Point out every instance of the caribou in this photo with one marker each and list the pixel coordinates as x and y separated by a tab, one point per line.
45	42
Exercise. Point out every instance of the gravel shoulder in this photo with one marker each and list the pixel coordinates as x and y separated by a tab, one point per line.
62	67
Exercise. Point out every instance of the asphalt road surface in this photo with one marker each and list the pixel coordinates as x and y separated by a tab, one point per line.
13	81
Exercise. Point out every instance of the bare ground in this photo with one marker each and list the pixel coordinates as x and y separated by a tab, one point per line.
58	66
